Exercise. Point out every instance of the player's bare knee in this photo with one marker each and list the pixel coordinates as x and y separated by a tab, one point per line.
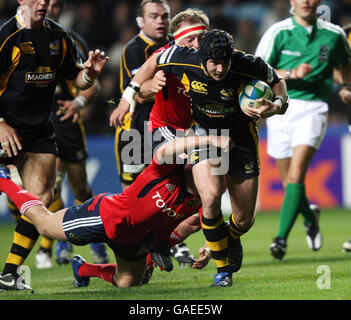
127	280
244	222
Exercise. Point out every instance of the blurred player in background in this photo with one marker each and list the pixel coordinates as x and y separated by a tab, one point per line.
303	50
153	17
344	94
71	143
34	51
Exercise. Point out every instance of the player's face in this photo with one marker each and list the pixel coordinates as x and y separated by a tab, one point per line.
193	40
218	69
305	9
55	9
155	21
34	11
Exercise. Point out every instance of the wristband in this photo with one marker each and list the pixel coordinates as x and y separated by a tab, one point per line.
80	101
2	120
288	73
129	94
134	86
279	101
87	79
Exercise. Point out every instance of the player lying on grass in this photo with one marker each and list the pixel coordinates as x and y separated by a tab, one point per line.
163	195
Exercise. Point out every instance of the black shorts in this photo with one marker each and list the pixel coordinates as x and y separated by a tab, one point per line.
132	148
83	225
242	161
165	134
38	140
71	140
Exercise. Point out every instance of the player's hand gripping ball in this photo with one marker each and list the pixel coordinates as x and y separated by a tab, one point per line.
253	90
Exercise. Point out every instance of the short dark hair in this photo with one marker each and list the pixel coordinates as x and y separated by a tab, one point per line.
140	10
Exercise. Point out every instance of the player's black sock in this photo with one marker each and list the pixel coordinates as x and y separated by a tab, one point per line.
217	240
24	239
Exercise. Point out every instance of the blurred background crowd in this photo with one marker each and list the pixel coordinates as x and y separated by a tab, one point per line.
110	24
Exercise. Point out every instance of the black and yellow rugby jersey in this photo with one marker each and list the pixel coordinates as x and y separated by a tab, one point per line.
135	53
30	61
65	89
215	104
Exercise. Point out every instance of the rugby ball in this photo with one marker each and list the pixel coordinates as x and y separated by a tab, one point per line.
253	90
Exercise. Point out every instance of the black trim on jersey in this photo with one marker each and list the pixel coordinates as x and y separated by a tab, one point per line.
149	186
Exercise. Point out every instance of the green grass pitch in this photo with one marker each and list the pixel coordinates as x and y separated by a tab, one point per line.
301	275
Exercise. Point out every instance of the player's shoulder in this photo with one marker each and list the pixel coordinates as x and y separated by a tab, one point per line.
136	43
179	53
58	29
8	29
281	26
80	43
331	28
241	58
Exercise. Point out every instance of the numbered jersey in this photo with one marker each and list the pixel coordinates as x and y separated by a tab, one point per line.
215	103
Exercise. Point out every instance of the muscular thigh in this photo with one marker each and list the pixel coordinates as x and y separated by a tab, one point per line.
37	171
76	172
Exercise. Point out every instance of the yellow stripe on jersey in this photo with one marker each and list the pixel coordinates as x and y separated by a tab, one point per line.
149	44
71	88
126	126
64	51
10	37
124	66
179	64
4	78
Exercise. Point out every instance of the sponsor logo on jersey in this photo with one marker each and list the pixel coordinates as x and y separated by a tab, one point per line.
249	167
170	187
27	48
42	76
215	110
161	204
199	87
227	94
193	157
323	53
54	47
291	53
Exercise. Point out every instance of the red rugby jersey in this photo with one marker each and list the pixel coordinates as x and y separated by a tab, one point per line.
172	104
156	202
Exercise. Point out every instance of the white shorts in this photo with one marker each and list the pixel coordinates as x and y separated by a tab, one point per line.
304	123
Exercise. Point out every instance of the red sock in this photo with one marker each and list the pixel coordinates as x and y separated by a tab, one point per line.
174	239
22	199
102	271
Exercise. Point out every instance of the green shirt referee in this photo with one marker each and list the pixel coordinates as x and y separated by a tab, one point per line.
303	50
